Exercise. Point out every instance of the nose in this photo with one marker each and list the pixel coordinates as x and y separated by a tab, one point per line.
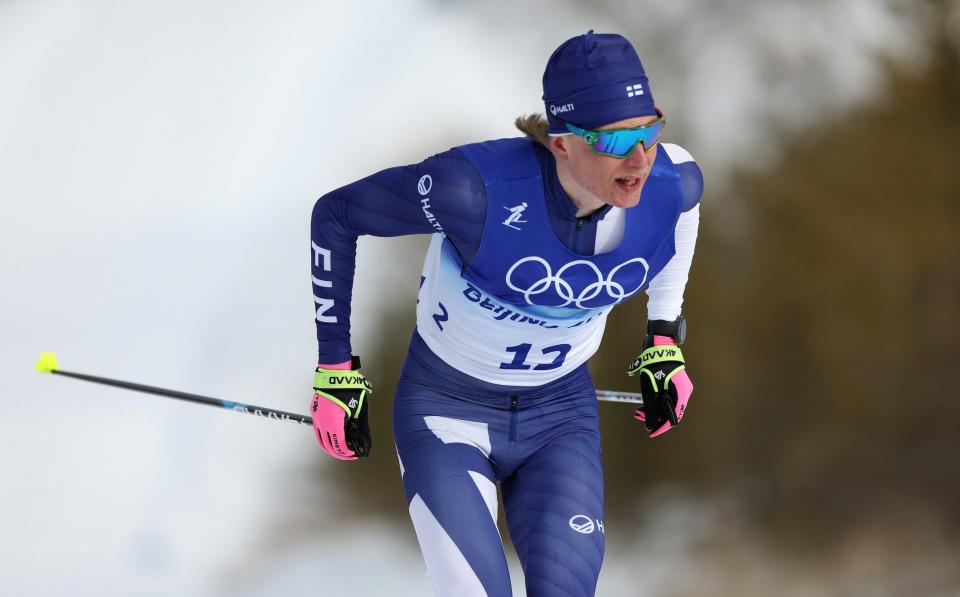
641	158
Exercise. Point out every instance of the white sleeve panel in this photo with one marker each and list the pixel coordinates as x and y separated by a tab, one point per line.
677	154
666	288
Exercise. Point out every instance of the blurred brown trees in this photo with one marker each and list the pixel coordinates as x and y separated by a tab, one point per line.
824	311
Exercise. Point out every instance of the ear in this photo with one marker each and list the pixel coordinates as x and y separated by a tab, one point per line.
558	147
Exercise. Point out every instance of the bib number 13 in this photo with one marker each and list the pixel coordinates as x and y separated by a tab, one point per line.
522	351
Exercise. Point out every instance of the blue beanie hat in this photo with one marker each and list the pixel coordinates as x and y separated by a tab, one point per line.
595	79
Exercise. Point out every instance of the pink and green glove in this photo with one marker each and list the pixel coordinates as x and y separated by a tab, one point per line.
664	384
339	410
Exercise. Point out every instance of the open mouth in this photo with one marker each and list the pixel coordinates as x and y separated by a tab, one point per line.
628	183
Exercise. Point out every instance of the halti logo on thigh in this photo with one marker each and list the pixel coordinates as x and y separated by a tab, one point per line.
584	524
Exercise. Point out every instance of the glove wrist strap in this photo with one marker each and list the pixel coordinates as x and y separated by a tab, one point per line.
344	366
661	354
339	380
656	354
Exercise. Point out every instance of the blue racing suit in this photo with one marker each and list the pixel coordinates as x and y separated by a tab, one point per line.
495	389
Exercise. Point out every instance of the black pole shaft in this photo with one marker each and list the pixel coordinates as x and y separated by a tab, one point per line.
249	409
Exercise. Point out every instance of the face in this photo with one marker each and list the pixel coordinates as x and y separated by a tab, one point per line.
592	179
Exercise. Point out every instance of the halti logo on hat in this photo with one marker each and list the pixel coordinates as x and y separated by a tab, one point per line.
633	90
560	109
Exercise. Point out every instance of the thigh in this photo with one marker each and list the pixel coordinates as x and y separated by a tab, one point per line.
451	494
554	507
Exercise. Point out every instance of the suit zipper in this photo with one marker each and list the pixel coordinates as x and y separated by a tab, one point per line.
514	407
575	245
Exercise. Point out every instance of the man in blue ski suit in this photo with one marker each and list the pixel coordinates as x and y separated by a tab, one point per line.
535	239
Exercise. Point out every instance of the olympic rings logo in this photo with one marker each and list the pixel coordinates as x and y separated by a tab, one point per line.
563	288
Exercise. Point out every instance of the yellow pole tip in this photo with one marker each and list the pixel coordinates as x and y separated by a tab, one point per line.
47	362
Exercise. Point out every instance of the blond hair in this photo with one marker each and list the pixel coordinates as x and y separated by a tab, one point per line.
535	127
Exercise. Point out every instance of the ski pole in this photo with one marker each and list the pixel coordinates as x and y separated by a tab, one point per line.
48	364
611	396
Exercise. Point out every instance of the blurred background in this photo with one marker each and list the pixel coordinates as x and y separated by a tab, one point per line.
158	165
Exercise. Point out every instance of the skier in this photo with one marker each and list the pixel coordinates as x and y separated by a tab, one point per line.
495	387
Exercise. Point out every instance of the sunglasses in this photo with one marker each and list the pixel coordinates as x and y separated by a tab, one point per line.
620	143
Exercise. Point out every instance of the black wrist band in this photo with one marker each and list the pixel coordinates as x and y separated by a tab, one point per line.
676	329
